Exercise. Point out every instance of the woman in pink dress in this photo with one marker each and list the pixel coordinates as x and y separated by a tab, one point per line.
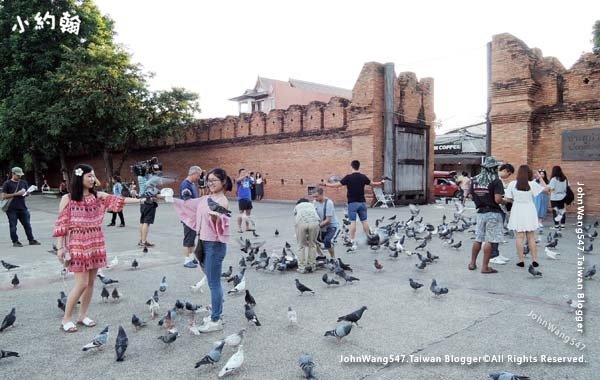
80	240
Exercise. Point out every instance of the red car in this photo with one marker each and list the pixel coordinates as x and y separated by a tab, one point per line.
444	185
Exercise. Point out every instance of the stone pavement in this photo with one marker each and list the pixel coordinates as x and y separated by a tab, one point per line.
481	315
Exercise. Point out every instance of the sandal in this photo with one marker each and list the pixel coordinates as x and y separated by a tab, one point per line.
87	322
472	267
69	327
492	270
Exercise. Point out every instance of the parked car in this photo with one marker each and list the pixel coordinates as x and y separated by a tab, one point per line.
444	185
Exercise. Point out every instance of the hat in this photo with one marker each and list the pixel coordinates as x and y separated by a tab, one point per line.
17	170
490	162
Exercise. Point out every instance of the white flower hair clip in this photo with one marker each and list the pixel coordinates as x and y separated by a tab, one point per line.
79	172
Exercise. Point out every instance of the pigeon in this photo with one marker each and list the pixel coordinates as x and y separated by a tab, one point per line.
456	245
572	305
550	254
392	218
414	210
276	232
163	285
235	339
213	356
62	301
113	263
422	245
302	288
345	267
15	281
179	305
239	287
590	273
104	294
255	234
192	307
145	250
214	206
115	294
534	272
137	322
8	266
307	365
99	341
234	362
437	290
249	299
134	264
7	354
251	315
552	244
169	338
228	273
589	248
121	344
54	250
105	280
421	265
329	281
432	257
506	376
377	265
199	285
9	320
292	316
154	308
340	331
347	277
353	317
413	284
154	298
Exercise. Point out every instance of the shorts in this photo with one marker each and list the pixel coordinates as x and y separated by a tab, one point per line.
148	212
327	236
489	227
359	208
245	204
189	237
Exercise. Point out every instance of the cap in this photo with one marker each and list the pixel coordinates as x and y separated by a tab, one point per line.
17	170
490	162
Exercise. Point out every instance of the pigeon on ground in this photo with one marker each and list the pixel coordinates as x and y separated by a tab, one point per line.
169	338
534	272
347	277
179	305
421	265
307	365
7	354
8	266
242	263
113	263
437	290
214	206
137	322
104	294
249	299
422	245
199	285
506	376
234	362
239	287
62	301
228	273
432	257
340	331
303	288
589	248
552	244
251	315
153	298
329	281
9	320
345	267
163	285
154	308
15	281
572	305
550	254
378	266
353	317
115	295
292	316
121	344
134	264
590	273
99	341
276	232
235	339
212	357
105	280
413	284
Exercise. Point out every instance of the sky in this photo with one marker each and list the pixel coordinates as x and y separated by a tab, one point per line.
218	48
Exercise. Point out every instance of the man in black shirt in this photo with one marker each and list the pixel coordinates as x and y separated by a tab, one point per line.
487	191
16	189
355	184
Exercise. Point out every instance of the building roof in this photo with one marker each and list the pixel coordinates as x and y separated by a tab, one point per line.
316	87
264	86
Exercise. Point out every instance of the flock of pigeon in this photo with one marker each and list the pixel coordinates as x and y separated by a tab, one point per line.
392	236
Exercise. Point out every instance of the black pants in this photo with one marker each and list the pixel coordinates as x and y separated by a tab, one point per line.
558	205
23	217
114	217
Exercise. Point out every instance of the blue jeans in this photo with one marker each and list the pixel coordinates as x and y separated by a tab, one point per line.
214	253
23	217
359	208
328	235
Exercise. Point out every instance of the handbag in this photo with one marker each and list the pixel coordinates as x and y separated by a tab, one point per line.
199	253
570	197
6	202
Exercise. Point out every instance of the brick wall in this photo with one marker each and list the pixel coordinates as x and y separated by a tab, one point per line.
535	99
296	147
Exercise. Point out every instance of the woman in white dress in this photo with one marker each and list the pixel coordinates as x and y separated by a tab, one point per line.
523	217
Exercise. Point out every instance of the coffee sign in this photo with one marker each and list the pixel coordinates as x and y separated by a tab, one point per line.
452	148
581	145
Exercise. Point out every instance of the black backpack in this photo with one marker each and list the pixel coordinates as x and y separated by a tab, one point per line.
125	191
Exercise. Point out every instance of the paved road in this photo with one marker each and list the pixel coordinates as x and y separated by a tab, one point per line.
482	314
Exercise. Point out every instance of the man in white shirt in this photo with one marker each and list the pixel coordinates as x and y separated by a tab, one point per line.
307	229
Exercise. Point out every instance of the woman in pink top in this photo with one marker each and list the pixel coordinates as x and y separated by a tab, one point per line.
80	240
213	230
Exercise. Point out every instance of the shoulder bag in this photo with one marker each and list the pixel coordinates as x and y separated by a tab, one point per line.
6	202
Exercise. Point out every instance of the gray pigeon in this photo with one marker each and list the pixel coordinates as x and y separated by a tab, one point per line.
353	317
169	338
437	290
62	301
340	331
329	281
506	376
9	320
307	365
214	206
8	266
163	285
121	344
137	322
251	315
303	288
590	273
534	272
99	341
213	356
7	354
413	284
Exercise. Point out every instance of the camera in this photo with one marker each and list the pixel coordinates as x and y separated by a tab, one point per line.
151	166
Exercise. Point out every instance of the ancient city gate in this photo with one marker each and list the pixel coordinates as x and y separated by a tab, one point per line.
411	151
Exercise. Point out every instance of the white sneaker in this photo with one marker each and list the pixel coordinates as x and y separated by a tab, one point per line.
503	258
211	326
497	260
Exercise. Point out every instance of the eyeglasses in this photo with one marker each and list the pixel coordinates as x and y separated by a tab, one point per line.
213	181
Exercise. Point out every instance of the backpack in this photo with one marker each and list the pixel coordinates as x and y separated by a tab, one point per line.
125	191
569	197
480	194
